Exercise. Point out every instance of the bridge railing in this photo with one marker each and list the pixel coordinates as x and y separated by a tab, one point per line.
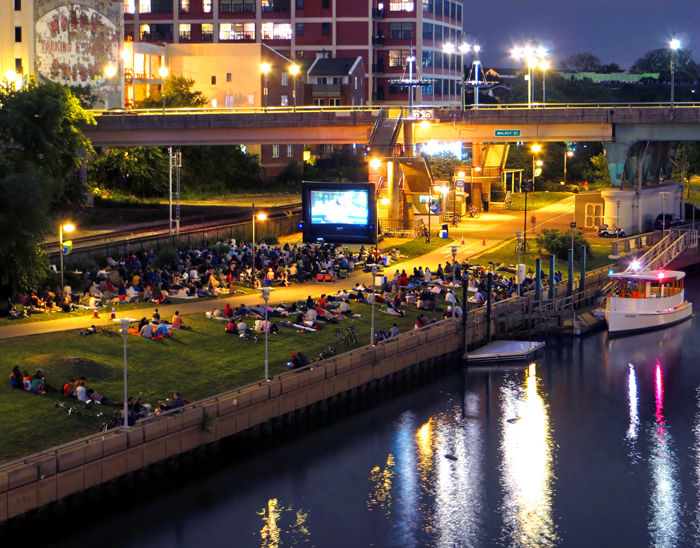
519	106
631	243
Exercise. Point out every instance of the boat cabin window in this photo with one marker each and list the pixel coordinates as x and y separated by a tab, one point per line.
645	289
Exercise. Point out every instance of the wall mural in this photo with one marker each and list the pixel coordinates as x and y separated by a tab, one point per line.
76	42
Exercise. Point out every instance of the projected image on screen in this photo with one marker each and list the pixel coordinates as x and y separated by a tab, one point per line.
348	207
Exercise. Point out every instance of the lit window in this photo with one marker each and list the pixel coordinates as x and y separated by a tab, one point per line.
276	31
130	6
237	31
285	79
145	32
145	6
275	151
398	57
185	31
355	82
207	31
290	151
402	5
184	6
206	8
284	100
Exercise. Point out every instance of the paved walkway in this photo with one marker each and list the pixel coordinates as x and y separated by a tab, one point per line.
492	228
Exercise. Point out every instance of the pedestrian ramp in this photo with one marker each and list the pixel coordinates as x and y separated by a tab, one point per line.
504	351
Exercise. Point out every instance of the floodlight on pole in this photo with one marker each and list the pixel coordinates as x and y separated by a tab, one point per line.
294	70
68	227
265	68
674	44
375	163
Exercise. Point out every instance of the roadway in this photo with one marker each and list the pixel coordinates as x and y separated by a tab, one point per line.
497	226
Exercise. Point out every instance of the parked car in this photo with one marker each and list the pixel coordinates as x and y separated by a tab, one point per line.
671	221
610	231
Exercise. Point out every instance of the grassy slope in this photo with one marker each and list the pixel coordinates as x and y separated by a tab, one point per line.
198	363
536	200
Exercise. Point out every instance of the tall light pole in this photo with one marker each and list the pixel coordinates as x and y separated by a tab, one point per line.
126	55
674	44
518	235
163	74
110	71
374	275
463	48
266	298
663	212
533	58
617	226
265	68
567	154
572	224
544	65
124	324
454	259
294	70
61	229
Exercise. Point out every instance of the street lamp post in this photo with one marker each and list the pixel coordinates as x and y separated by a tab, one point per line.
266	298
674	44
67	228
567	154
533	59
544	65
517	269
163	74
125	55
265	68
110	71
124	324
259	217
663	212
572	224
294	70
374	275
454	259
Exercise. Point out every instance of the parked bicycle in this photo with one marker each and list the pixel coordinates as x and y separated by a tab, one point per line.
348	339
474	213
324	355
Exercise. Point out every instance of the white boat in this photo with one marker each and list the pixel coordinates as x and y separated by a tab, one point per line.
646	300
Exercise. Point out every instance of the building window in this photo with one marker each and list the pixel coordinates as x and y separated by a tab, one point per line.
228	101
356	82
427	60
18	34
453	11
276	31
237	31
459	14
145	32
437	35
428	6
184	6
300	4
213	80
438	86
437	59
335	102
427	90
401	31
438	7
326	29
207	32
397	57
285	79
427	31
18	5
446	8
236	6
19	69
284	100
321	80
290	151
206	8
402	5
228	76
326	4
156	6
275	5
185	31
300	29
319	102
397	90
129	7
275	151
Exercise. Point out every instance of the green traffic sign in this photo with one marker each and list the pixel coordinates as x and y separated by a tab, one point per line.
507	133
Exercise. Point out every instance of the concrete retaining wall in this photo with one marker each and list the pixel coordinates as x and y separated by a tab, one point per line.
44	479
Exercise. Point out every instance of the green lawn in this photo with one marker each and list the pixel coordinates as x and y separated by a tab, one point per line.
536	200
416	248
508	256
198	363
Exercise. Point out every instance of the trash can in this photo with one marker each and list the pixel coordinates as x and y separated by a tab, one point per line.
444	231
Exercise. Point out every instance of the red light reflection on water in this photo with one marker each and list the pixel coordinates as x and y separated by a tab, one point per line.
659	389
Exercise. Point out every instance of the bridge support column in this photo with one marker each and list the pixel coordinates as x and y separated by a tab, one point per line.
409	145
393	177
582	284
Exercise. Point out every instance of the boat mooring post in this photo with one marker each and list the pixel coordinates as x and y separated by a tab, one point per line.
538	279
570	284
465	311
489	283
551	277
582	284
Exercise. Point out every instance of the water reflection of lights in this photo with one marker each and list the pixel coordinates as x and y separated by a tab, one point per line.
381	485
665	525
526	470
633	428
696	432
406	512
272	531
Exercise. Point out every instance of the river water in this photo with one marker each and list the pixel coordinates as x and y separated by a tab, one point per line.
595	444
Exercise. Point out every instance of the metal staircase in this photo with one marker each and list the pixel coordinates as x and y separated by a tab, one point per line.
385	133
675	243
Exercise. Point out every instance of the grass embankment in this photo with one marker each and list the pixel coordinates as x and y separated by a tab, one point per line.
507	255
536	200
416	248
198	363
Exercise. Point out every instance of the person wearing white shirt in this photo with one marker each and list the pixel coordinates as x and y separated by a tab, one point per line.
457	311
427	275
450	297
311	315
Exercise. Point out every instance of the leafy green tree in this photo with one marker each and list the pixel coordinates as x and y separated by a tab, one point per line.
178	94
228	168
659	60
142	171
558	243
443	164
88	99
601	171
291	174
580	62
610	68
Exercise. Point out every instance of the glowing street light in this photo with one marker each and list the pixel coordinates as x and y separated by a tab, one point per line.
567	154
68	227
294	70
259	217
375	163
544	65
674	44
534	57
265	68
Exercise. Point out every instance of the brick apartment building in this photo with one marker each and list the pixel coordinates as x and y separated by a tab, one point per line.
382	33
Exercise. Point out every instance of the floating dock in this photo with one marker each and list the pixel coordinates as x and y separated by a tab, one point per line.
504	351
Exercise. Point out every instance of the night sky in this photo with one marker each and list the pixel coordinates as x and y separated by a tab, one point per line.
617	31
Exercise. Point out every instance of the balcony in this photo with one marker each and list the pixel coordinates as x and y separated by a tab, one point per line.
326	90
277	6
377	40
378	13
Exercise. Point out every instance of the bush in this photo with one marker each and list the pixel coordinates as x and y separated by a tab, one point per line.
558	243
166	256
270	239
81	264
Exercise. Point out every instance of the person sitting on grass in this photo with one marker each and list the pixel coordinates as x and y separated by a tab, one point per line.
228	312
147	331
175	403
457	311
241	327
177	321
231	328
162	330
16	377
81	391
144	321
94	396
69	389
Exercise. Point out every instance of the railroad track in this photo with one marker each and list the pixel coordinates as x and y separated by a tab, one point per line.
160	229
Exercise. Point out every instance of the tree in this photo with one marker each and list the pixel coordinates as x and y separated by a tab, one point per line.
291	174
442	165
601	171
659	61
221	168
580	62
558	243
178	94
610	68
142	171
88	99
